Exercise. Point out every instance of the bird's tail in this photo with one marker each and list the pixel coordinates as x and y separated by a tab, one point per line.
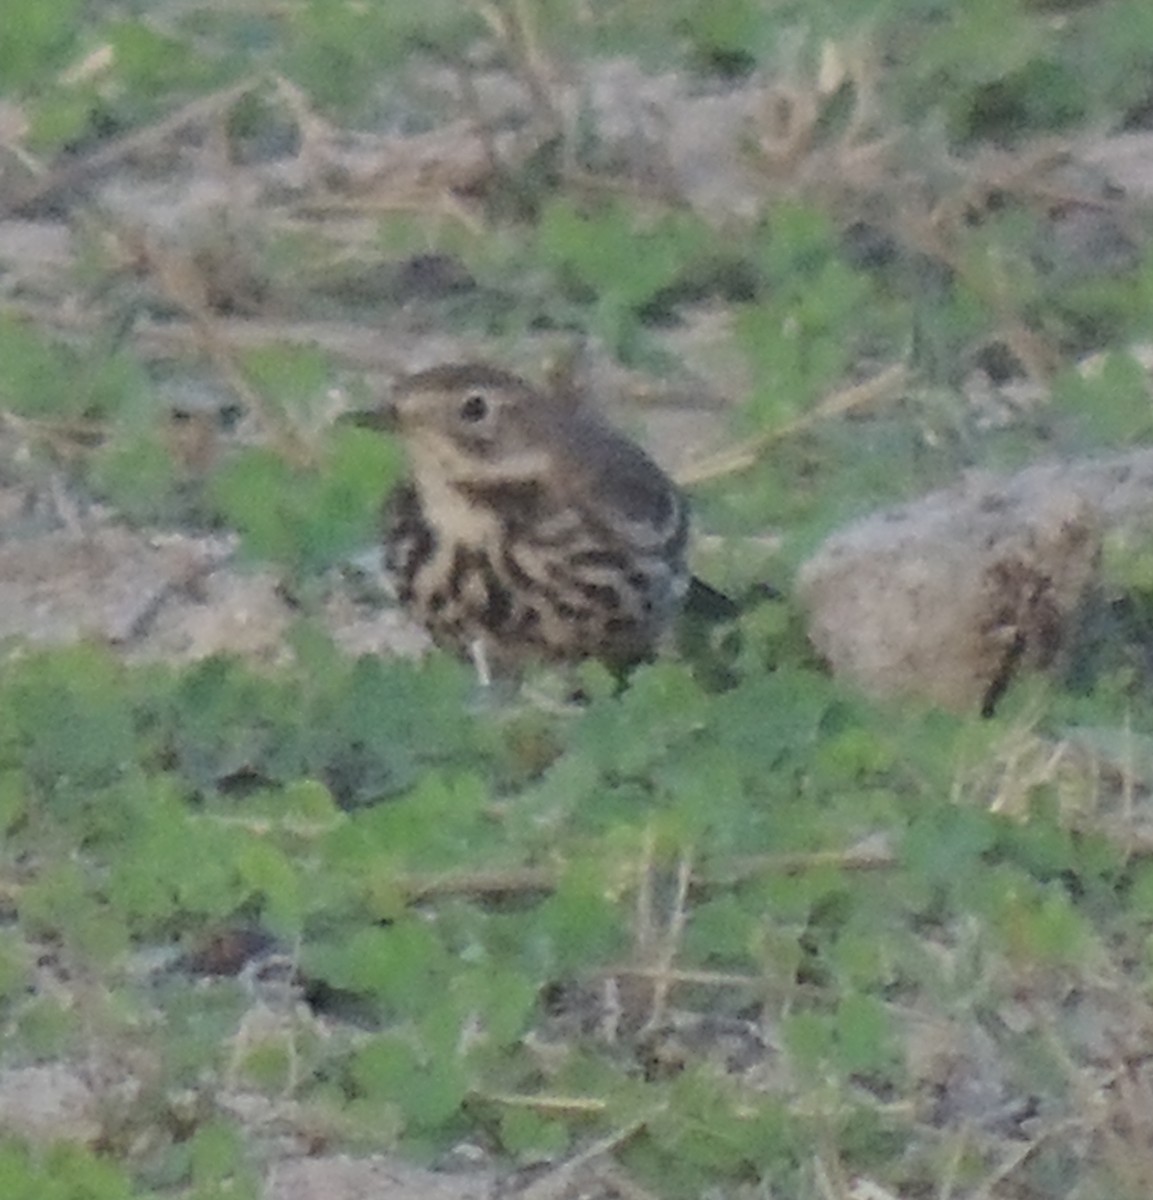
707	604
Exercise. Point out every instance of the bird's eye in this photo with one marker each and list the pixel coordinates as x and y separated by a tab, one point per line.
474	408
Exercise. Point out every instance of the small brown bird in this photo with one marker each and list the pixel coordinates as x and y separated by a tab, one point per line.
531	530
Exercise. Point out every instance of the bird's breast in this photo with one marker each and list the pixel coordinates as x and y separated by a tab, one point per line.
533	575
457	515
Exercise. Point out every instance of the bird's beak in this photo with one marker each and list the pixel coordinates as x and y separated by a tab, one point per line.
383	419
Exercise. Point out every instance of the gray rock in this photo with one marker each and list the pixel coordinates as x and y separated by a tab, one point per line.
949	596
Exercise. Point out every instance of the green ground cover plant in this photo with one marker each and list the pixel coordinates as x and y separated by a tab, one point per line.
431	883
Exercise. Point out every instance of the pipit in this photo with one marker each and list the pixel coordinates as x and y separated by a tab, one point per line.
531	530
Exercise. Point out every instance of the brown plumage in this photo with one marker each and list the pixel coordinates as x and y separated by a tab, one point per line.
531	530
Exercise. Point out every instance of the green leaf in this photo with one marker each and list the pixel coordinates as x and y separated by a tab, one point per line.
15	965
498	1000
810	1040
1035	925
47	1028
293	379
864	1035
580	920
68	723
13	799
217	1153
429	1091
41	377
151	64
260	494
943	845
136	471
402	966
1111	405
337	50
60	117
269	874
621	258
37	38
727	26
308	517
61	903
529	1135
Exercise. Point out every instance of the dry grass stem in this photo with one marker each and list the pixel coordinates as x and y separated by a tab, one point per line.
870	855
112	153
721	979
555	1185
547	1104
182	282
885	386
1017	1157
513	24
663	946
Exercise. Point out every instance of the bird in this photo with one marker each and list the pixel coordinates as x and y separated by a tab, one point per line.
530	530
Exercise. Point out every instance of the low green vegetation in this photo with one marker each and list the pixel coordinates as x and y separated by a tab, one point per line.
779	855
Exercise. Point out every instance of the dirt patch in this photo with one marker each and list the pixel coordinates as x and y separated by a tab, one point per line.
378	1177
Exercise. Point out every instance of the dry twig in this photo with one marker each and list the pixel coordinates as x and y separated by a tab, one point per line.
78	171
740	457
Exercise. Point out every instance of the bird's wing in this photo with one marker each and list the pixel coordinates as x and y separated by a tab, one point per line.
613	477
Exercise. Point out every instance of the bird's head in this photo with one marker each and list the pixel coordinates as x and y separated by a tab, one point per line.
469	423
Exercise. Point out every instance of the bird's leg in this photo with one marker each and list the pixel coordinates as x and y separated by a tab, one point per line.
492	694
478	652
506	690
